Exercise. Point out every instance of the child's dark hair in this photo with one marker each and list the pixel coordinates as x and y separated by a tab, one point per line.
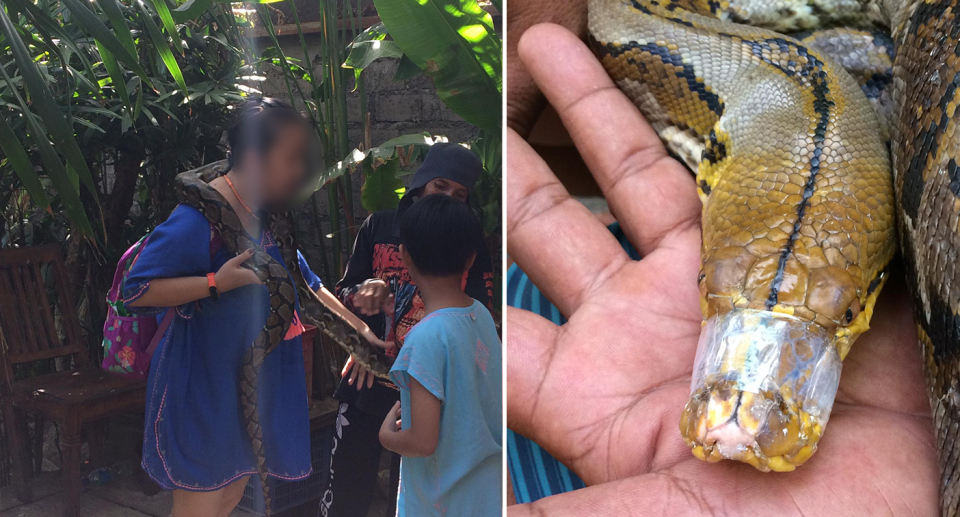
440	234
257	126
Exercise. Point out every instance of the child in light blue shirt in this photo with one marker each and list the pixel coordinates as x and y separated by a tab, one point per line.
448	423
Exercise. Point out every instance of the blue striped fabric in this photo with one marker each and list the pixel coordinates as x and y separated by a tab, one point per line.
534	472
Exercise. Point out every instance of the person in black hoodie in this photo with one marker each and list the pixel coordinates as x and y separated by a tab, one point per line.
377	287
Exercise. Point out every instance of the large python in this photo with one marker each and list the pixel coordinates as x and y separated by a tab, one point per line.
193	189
799	199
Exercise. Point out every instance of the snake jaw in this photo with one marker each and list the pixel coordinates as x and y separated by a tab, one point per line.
762	391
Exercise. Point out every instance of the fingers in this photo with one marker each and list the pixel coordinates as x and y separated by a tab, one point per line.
346	366
371	297
354	372
370	379
651	193
524	100
361	377
243	256
556	240
530	340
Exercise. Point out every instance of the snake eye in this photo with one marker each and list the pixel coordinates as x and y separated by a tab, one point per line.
853	311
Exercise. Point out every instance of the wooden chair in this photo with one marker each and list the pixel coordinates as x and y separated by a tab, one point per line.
72	397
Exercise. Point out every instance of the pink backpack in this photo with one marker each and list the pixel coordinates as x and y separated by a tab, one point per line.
129	339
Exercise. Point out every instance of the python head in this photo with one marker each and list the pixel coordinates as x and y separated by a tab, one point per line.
777	325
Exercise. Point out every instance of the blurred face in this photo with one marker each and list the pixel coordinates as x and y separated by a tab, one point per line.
447	188
280	171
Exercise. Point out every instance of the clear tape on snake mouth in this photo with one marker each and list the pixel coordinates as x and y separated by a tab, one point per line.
763	387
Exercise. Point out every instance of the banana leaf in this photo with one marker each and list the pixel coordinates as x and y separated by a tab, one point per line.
407	69
382	188
377	156
453	42
369	46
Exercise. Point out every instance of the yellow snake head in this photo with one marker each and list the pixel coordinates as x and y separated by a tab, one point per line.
769	359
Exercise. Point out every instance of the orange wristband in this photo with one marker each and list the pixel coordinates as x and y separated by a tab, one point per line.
212	285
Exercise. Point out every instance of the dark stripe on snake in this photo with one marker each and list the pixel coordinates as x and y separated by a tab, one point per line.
687	72
913	182
715	151
812	72
809	72
877	280
943	327
642	8
952	173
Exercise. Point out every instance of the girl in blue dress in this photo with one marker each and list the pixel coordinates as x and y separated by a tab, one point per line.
194	442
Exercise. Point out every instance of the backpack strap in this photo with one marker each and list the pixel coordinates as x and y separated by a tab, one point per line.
216	243
161	330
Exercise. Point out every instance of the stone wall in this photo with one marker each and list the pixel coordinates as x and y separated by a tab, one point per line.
396	108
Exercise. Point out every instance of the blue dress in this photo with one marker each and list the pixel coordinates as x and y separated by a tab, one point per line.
193	435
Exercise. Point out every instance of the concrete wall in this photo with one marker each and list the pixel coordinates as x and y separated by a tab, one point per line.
396	108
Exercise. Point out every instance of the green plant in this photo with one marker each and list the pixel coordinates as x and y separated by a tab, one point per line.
137	121
454	43
103	103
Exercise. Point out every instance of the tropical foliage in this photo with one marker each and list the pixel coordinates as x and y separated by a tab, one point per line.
453	42
103	103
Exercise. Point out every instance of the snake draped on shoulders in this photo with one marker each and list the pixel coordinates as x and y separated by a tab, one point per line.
193	189
814	127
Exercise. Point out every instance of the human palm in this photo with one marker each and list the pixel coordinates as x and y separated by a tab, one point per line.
603	393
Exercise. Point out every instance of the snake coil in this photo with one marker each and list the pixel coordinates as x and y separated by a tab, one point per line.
787	135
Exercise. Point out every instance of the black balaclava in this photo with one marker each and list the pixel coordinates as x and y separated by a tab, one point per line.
453	162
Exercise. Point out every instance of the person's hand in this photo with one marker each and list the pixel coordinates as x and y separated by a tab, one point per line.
371	296
524	100
232	274
391	423
376	341
603	393
359	376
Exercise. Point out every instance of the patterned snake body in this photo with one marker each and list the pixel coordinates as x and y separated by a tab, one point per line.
194	190
787	137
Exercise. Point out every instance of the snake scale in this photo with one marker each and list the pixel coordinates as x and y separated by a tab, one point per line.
809	150
193	189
